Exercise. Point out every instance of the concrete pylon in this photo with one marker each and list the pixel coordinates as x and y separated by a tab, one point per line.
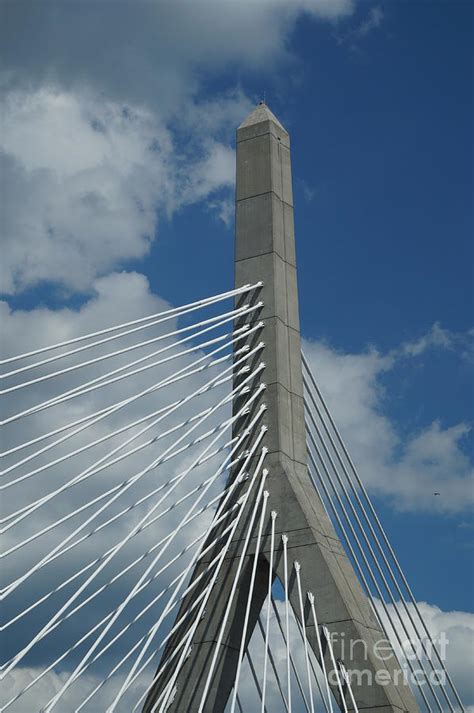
265	250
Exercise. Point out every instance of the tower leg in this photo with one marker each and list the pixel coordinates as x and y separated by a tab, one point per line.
265	250
193	676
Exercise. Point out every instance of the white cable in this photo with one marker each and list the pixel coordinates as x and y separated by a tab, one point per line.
231	596
102	557
109	355
249	601
221	556
102	439
96	626
100	527
249	455
178	622
21	654
128	509
284	539
139	586
267	620
174	312
273	665
138	643
227	611
305	638
130	624
99	559
231	315
60	549
327	636
94	468
292	661
147	582
367	563
295	670
346	678
184	642
188	638
151	522
88	417
77	670
80	390
98	498
237	334
310	596
378	544
131	481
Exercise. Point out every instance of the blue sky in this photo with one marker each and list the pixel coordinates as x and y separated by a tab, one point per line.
119	138
381	128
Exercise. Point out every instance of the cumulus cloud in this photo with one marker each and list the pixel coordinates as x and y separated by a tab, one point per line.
98	144
365	27
453	634
453	627
127	295
85	181
153	53
354	393
437	337
407	470
50	684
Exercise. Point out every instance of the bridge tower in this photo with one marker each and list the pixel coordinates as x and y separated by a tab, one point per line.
265	250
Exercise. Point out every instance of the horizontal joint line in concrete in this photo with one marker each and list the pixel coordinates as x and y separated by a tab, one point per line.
258	136
288	391
214	641
390	707
293	460
364	624
275	316
269	252
283	531
266	193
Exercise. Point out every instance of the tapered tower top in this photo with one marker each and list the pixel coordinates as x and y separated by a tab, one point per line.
260	114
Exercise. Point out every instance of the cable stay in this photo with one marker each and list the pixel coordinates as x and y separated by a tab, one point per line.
376	544
213	321
137	597
81	390
245	407
131	481
103	461
167	314
91	419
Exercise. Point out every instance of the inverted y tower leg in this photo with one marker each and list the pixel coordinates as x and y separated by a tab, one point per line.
265	250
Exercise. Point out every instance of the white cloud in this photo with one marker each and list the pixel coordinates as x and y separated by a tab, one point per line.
454	627
85	181
457	626
351	380
410	470
372	21
98	145
453	634
437	337
118	296
50	684
153	53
